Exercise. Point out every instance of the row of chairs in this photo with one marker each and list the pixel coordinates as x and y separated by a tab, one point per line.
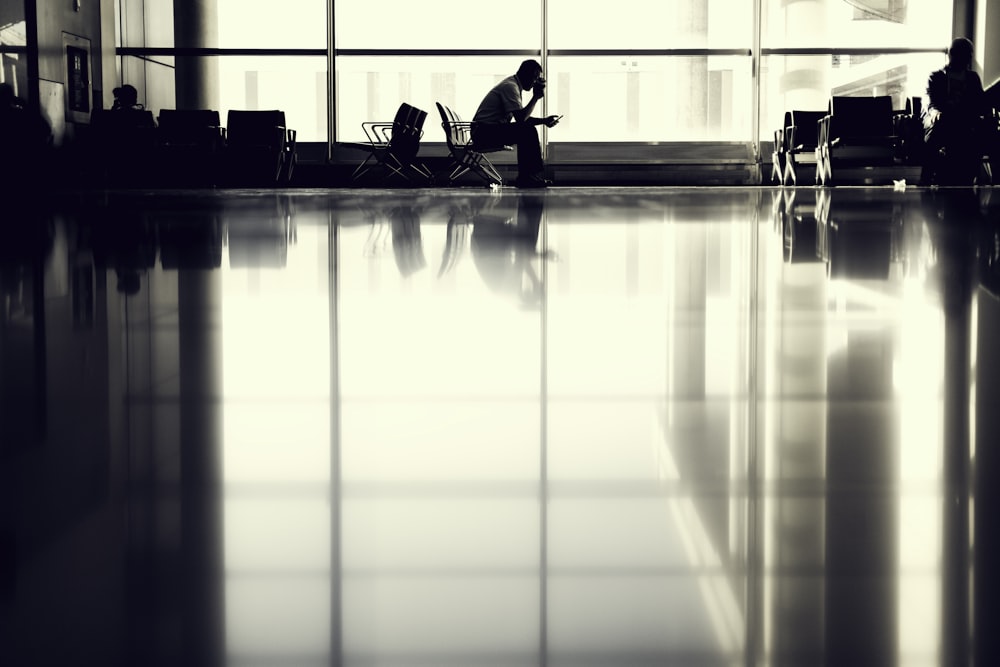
392	148
852	132
192	147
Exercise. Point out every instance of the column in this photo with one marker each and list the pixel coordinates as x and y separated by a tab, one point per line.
196	26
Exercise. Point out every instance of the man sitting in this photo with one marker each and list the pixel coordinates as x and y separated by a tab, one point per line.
502	119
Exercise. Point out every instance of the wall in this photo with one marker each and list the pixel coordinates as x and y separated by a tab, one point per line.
58	24
148	23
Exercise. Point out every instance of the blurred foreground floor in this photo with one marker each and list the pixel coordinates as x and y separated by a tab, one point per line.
609	427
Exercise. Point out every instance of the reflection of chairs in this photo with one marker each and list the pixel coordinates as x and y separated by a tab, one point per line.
189	143
801	220
259	236
260	148
190	240
407	246
859	236
393	146
461	215
465	156
858	132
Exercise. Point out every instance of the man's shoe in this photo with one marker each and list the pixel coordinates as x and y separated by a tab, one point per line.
531	182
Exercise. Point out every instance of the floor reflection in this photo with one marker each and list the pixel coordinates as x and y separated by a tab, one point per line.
636	426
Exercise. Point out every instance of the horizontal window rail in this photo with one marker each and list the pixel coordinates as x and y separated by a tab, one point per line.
832	51
766	51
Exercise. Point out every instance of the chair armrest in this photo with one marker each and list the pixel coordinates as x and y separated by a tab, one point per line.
823	132
377	131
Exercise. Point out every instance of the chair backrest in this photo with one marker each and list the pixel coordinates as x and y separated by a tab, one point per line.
409	116
861	116
255	128
806	124
456	132
181	120
126	119
407	129
129	131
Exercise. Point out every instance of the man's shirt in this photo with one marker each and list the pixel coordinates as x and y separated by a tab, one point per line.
500	103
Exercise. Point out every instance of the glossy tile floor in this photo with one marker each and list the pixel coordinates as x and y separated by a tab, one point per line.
581	427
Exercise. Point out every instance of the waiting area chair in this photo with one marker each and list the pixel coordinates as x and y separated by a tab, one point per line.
122	143
392	147
260	148
801	135
858	132
465	156
189	146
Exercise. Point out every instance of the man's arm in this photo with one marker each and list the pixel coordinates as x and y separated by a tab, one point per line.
523	115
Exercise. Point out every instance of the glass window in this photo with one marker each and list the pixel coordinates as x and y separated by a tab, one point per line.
296	85
807	81
372	88
263	24
13	60
603	98
437	24
856	24
649	98
641	24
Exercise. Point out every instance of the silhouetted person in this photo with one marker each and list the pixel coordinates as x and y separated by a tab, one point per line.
126	99
503	120
953	120
25	139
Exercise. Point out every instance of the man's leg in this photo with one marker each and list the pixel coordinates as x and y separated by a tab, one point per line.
522	135
529	151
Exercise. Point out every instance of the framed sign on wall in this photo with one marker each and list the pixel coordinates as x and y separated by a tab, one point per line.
78	82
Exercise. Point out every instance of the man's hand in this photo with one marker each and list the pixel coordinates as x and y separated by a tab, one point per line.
538	90
551	121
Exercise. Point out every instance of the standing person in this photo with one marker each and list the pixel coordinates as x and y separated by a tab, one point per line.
952	120
26	141
502	119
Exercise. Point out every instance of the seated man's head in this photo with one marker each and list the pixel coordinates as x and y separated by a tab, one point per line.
127	95
960	53
528	73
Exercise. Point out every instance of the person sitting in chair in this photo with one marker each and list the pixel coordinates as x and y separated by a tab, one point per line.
952	120
502	119
126	99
